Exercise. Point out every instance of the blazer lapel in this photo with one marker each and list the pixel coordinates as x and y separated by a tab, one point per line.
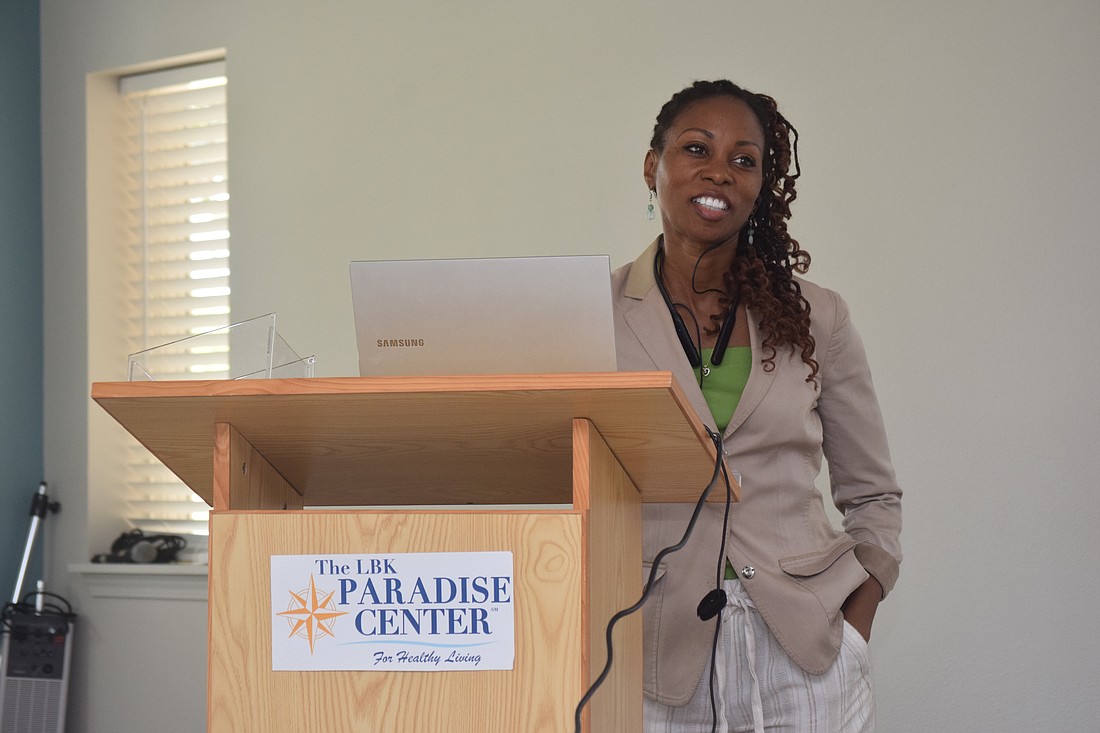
759	382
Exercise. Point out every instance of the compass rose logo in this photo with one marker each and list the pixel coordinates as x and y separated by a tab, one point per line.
311	613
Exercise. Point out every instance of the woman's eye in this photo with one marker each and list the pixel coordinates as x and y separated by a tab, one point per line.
695	148
745	161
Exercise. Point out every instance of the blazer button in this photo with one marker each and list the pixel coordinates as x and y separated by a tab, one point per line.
748	571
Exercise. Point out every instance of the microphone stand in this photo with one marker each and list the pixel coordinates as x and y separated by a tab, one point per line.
40	504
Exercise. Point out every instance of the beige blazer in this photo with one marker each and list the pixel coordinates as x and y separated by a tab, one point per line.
795	565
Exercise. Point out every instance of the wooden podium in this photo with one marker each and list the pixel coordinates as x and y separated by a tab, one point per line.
378	465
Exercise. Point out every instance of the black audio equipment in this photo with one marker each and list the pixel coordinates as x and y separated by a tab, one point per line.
34	682
36	639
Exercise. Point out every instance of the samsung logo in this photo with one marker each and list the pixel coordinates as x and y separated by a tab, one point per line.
399	343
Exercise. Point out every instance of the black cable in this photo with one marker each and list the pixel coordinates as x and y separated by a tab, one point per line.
719	469
721	577
699	340
49	610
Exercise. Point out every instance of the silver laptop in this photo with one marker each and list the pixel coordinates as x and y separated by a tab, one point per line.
512	315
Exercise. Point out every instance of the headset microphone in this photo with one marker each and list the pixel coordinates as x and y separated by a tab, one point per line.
690	350
714	601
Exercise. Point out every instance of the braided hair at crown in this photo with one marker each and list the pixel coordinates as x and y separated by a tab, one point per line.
762	274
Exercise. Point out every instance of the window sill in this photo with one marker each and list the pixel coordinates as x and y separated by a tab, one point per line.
147	582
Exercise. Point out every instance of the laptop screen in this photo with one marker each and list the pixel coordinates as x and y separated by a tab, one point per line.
511	315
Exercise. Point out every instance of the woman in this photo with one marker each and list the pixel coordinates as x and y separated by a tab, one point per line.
773	363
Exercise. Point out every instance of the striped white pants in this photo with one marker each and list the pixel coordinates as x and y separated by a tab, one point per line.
758	688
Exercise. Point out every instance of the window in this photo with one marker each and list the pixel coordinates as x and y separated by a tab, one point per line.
177	255
178	241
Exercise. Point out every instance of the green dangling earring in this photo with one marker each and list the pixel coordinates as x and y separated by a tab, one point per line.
650	215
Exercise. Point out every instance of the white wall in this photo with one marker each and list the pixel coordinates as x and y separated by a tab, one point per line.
950	170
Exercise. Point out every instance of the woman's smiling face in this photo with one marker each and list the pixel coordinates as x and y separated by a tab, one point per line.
708	173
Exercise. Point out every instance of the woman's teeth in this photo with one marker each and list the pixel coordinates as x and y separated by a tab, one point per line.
711	203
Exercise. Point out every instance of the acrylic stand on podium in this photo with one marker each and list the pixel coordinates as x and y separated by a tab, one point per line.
258	352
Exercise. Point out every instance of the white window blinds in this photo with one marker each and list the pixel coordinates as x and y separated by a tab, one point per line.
178	255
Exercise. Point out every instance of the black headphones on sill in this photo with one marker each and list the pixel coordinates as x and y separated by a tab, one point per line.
137	547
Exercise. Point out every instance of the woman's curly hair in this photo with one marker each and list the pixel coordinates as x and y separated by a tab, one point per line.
762	275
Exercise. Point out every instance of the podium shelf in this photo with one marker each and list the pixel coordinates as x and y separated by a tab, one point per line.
424	440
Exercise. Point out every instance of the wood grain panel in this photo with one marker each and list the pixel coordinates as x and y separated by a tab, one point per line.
539	695
243	478
612	562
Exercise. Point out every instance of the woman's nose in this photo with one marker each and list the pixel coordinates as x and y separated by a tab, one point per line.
717	173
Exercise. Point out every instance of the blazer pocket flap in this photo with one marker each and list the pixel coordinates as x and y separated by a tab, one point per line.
812	563
647	570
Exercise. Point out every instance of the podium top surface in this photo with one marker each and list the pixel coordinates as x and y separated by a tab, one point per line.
358	441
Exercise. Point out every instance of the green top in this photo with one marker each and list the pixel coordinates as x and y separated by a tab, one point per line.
723	385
